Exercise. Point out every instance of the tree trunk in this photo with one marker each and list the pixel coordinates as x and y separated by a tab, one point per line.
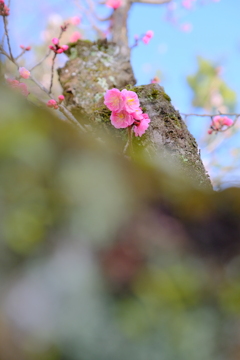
94	68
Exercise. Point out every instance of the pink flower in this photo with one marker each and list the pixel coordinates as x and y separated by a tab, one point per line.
52	104
75	20
146	39
114	4
140	128
21	87
131	101
59	51
24	73
227	121
219	121
64	47
55	41
149	34
121	119
75	37
114	100
138	114
61	98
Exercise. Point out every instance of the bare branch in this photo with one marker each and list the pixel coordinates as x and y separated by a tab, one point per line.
210	115
41	61
7	35
152	1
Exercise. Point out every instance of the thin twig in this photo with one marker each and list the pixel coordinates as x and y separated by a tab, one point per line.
52	72
7	35
41	61
23	52
210	115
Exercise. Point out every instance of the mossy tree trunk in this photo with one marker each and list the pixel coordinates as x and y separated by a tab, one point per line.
93	68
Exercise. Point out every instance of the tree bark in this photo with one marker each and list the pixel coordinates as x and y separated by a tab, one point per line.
94	68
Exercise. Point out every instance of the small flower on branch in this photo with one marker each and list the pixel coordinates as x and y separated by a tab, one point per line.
24	73
155	80
57	48
26	48
218	122
4	10
54	104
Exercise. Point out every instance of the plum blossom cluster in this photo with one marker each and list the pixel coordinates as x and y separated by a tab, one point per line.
56	47
218	122
25	48
144	38
126	111
54	104
17	85
4	10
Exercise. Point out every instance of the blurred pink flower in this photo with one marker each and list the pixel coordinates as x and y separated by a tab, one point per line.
24	73
52	104
55	41
21	87
75	20
75	37
114	4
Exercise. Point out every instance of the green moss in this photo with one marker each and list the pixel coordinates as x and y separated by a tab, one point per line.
166	96
102	114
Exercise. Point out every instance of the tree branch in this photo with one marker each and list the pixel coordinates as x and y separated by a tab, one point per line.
152	1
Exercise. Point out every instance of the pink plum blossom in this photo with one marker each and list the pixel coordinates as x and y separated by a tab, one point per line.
52	104
219	121
227	121
140	128
114	100
24	73
55	41
146	39
17	85
114	4
149	34
61	98
137	114
75	36
64	47
121	119
75	20
131	101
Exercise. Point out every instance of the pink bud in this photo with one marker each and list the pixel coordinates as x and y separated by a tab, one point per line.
210	132
21	46
59	51
24	73
51	47
146	39
61	98
55	41
149	34
28	48
51	103
64	47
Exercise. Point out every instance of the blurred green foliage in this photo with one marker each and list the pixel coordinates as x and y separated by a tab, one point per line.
210	90
106	258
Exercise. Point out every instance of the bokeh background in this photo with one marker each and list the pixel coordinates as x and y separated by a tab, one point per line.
104	258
